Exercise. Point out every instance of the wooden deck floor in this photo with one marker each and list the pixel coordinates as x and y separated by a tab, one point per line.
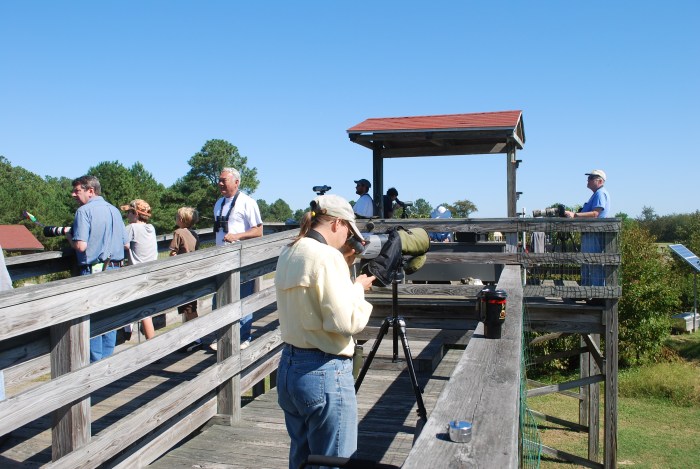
387	414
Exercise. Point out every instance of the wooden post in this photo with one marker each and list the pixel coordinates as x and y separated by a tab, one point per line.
589	407
610	432
70	351
228	395
378	179
511	169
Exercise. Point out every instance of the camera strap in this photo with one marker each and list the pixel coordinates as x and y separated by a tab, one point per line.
313	234
233	203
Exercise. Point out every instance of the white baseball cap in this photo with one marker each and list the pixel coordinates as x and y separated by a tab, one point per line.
336	206
598	172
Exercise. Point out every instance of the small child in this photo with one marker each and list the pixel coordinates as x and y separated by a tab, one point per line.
185	239
142	247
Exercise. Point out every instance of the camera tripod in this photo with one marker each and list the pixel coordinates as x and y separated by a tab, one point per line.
399	328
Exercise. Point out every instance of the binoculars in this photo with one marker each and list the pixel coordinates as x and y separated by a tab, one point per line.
220	223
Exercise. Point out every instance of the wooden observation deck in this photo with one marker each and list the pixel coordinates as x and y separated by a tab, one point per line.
149	404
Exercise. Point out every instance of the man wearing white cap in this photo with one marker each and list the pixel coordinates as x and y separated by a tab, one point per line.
598	206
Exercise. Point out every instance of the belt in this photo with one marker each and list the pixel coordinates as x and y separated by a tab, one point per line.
315	350
300	349
109	264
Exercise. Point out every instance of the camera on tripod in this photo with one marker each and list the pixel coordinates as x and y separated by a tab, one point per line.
53	231
320	190
556	211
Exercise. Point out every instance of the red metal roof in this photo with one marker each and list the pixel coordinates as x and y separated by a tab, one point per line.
440	122
18	238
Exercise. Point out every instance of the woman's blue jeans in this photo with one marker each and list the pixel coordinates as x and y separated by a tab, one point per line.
316	391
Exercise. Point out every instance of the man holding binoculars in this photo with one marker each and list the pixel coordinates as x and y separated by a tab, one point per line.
237	217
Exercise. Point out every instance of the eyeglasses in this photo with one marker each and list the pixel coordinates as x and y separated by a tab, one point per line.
346	225
590	178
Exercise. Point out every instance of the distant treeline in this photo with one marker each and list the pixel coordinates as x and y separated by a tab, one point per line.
49	198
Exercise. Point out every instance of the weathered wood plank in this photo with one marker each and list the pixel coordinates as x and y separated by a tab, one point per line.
489	367
477	225
49	396
39	306
147	418
564	386
580	292
70	351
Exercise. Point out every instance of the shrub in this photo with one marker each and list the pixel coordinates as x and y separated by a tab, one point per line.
677	382
649	296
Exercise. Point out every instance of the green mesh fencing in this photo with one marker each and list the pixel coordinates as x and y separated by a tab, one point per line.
531	444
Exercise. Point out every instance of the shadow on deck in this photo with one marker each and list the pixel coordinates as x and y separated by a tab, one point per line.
387	416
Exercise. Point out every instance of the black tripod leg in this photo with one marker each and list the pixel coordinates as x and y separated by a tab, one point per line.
401	326
365	366
394	317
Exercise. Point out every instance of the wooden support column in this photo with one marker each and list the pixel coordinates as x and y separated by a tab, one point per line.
589	407
228	402
378	179
70	351
611	338
511	169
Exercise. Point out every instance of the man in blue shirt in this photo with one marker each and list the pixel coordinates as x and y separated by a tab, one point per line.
598	206
99	237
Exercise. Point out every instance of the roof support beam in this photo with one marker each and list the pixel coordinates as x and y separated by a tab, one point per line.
511	169
378	179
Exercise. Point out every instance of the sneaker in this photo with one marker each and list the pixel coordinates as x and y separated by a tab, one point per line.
245	344
213	346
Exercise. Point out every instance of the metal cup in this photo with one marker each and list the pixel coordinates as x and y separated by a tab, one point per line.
460	431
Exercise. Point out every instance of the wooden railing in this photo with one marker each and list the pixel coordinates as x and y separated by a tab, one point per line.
484	389
43	263
57	318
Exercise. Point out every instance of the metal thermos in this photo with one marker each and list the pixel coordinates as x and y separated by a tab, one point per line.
492	311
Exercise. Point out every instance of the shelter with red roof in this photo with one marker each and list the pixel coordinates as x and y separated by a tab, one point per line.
442	135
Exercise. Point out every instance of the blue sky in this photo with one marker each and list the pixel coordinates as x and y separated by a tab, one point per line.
609	85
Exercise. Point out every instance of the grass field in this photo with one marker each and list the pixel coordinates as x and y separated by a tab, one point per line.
658	413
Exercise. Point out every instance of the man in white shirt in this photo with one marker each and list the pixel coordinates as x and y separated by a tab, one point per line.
237	217
364	207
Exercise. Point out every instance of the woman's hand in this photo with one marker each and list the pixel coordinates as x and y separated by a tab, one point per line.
348	253
365	281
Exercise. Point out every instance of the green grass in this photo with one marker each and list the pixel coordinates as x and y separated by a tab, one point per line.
658	413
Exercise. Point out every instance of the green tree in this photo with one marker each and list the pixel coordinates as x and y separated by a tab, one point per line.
120	185
463	208
648	214
198	188
648	299
48	200
421	209
218	154
280	210
264	210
